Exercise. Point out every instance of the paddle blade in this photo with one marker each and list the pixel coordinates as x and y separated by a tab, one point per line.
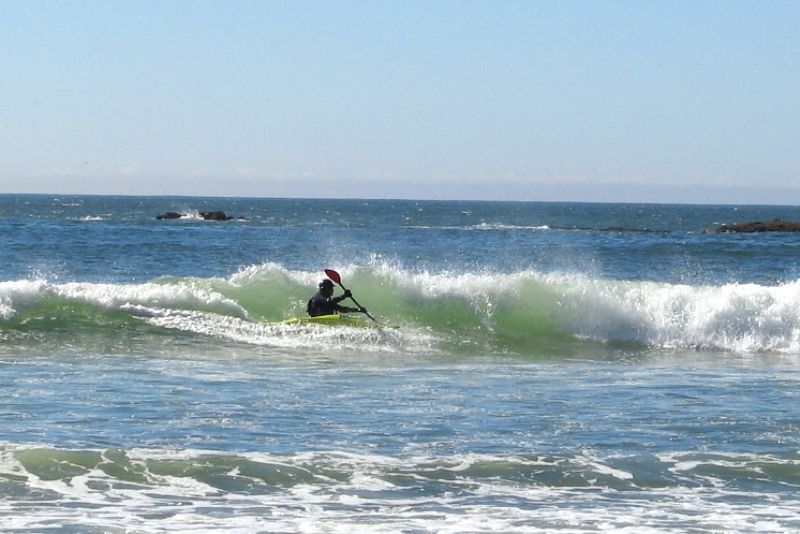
333	275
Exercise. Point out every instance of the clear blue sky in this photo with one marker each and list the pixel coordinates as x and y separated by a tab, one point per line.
596	100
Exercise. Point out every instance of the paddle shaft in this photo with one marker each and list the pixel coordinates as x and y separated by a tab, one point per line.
365	312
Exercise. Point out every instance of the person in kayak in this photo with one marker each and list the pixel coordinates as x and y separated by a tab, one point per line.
323	302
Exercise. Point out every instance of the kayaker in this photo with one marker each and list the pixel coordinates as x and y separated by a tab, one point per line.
323	302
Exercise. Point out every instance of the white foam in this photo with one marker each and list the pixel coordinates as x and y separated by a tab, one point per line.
735	317
148	296
17	294
363	498
327	340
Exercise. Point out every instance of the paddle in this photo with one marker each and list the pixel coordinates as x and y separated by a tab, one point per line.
333	275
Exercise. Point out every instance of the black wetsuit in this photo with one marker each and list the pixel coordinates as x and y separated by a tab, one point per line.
322	305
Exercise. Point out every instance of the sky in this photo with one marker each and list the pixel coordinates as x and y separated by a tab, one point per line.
574	100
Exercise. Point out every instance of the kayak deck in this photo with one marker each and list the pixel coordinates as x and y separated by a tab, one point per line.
334	320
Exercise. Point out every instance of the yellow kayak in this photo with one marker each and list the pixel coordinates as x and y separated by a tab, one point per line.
335	320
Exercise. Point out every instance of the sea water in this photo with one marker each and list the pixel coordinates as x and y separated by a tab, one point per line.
558	367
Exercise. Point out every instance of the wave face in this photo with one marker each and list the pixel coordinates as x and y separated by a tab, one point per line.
525	313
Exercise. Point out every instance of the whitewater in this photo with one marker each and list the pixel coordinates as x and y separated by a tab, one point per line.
558	367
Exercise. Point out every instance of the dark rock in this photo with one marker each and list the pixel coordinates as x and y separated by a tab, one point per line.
205	215
777	225
169	215
215	216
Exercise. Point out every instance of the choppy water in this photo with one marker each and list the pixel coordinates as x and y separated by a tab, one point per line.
558	367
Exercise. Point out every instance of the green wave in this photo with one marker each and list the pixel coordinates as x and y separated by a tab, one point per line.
527	313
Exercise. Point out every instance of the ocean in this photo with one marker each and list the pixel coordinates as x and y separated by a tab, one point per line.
558	367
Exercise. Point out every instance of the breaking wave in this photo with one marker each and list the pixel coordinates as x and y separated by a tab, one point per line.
516	312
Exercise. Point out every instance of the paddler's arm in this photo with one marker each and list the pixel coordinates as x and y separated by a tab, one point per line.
345	309
340	298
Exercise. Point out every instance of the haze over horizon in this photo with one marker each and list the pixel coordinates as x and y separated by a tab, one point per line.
619	101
